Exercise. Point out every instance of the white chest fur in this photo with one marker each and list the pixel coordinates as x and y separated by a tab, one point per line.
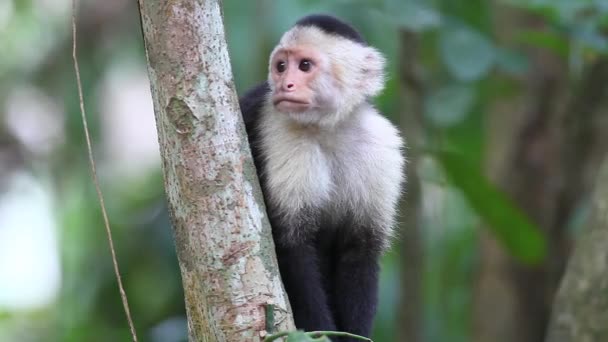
354	168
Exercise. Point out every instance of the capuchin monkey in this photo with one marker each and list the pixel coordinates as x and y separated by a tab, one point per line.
331	169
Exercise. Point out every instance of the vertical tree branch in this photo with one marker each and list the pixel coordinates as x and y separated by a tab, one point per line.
410	309
222	234
581	306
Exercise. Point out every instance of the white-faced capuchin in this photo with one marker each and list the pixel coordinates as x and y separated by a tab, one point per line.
331	169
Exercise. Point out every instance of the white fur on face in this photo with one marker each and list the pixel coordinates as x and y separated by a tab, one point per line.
351	74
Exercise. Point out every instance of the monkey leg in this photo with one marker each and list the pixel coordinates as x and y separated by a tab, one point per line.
356	286
301	276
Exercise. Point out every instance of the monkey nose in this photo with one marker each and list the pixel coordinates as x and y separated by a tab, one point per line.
290	86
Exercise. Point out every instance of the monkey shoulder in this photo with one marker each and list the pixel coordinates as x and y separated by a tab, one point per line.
380	131
372	174
252	103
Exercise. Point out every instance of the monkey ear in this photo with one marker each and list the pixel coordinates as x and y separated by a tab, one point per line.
372	72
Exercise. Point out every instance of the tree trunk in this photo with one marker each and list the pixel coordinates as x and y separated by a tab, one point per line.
581	307
522	160
527	170
410	316
222	234
543	152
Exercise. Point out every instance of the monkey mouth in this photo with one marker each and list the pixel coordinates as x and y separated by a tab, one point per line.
290	104
289	99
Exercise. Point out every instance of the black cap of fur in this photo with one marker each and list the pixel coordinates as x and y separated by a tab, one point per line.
332	25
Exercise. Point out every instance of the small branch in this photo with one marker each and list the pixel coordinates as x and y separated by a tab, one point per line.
269	309
123	294
317	334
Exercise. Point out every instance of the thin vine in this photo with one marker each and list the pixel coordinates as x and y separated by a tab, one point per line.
123	294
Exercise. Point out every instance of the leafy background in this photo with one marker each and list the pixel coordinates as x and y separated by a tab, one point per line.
56	277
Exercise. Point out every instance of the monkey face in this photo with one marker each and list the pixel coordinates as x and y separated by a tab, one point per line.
293	74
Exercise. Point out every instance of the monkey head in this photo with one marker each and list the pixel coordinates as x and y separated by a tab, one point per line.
318	74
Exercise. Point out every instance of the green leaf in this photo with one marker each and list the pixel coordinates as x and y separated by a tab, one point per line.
466	53
508	223
450	104
548	40
300	336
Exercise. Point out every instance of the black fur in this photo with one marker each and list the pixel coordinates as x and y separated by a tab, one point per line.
332	25
251	105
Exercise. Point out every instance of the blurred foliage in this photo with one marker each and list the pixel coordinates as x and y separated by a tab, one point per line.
519	235
465	68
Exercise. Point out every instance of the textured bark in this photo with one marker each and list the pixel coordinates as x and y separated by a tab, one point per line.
222	234
410	316
581	307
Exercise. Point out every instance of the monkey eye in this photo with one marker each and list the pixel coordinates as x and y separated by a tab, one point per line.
305	65
281	66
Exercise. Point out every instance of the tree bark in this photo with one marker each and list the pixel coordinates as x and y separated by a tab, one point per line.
581	307
222	234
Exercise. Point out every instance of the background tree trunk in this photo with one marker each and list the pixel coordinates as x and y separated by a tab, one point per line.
222	234
411	314
543	152
581	307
